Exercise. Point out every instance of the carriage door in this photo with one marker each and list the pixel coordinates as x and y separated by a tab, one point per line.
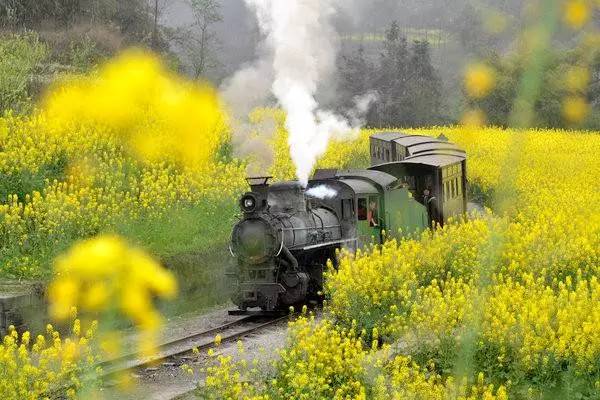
370	219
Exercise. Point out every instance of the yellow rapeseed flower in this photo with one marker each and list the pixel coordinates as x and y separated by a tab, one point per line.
99	273
480	80
575	109
473	118
577	13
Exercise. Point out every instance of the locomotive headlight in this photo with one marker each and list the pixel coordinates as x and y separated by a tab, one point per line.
248	203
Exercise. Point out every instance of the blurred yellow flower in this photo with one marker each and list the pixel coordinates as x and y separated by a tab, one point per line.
577	13
157	115
575	109
98	274
473	118
480	80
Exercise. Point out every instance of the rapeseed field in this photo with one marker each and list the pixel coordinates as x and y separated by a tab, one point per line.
500	304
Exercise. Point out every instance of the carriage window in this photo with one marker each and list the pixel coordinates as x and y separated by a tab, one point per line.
347	208
362	209
444	191
373	211
409	182
447	191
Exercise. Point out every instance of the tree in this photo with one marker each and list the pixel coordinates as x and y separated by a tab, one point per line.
391	76
157	9
199	41
423	87
405	80
355	74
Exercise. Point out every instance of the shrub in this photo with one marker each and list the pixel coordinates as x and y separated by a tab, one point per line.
20	56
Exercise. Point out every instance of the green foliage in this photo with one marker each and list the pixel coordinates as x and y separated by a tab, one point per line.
84	54
20	56
184	229
26	182
192	242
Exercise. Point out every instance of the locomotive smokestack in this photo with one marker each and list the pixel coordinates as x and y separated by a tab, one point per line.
255	200
259	184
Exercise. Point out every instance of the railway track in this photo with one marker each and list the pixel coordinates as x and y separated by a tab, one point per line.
174	350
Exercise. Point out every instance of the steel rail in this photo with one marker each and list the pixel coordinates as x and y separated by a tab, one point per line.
200	341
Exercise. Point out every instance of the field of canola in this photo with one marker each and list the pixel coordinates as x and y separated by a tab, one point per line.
502	306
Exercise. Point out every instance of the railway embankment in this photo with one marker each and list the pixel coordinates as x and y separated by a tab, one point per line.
21	304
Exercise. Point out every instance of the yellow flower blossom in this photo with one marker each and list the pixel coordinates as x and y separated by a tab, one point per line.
577	13
575	109
107	272
51	362
480	80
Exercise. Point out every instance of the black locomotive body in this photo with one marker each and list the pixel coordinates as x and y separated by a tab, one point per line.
288	233
282	244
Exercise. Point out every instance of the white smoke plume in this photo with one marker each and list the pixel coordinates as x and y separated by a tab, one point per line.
322	192
247	89
301	47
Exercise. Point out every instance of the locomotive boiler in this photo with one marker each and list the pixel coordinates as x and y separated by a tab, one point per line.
282	242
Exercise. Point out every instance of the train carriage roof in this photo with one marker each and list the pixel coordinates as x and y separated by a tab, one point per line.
408	141
345	186
421	151
360	180
388	136
361	186
434	146
380	178
434	159
445	152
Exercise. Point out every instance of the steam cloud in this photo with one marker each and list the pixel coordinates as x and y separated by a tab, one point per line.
321	192
300	46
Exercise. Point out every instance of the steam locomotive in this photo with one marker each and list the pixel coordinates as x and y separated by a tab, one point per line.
288	232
